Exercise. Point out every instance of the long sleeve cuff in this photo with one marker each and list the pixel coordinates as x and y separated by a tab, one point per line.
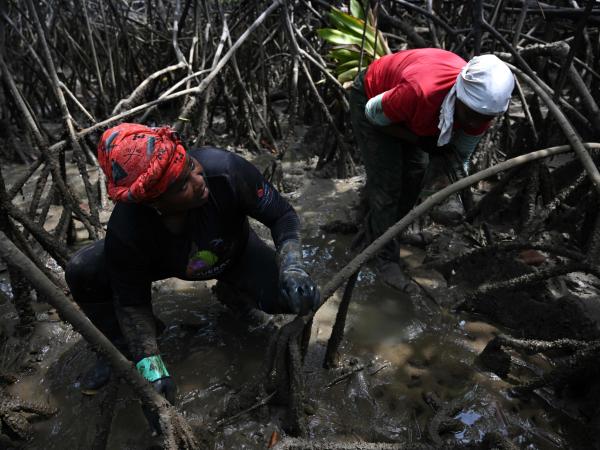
138	326
290	255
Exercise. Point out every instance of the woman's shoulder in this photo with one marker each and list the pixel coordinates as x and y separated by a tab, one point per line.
131	222
218	161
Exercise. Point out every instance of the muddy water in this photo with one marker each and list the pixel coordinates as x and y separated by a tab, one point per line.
408	348
417	348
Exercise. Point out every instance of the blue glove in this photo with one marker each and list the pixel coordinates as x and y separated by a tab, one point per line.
298	291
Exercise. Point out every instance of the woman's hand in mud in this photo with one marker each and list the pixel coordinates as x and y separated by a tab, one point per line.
153	369
167	388
298	291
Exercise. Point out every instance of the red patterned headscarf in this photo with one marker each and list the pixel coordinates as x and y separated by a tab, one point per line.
140	163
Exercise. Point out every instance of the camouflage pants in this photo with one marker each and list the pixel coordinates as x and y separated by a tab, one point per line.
394	169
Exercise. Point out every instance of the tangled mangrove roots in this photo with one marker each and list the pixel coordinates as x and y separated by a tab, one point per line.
524	281
252	73
578	362
295	332
205	60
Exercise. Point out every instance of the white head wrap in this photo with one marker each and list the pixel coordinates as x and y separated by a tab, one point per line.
485	85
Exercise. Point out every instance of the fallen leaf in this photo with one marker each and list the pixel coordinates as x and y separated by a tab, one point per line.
274	439
89	392
532	257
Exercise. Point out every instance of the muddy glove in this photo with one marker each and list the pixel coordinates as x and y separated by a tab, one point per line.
297	289
445	167
153	369
428	143
456	162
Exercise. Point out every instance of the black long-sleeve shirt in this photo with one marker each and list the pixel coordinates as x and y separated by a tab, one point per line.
140	249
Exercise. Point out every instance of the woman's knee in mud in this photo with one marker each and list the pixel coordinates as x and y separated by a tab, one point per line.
74	271
85	273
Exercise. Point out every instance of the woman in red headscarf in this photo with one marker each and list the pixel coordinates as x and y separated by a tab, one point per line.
182	214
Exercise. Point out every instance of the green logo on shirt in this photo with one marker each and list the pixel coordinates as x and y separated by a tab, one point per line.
201	260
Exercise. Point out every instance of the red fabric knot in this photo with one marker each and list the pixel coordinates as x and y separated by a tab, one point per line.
140	163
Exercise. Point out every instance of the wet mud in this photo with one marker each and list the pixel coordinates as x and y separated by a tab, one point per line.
409	374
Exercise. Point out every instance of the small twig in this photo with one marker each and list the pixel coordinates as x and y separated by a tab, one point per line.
379	369
261	402
346	375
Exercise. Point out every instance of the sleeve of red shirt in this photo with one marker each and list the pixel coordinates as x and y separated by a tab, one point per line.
400	102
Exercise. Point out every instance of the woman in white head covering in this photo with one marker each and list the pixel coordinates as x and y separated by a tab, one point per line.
417	116
483	90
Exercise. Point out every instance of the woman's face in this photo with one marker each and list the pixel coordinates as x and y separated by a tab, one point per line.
187	192
468	118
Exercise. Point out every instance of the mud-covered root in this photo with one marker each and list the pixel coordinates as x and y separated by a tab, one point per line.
177	434
282	376
534	346
337	333
496	441
521	282
262	400
443	420
313	444
286	374
280	381
518	246
495	359
247	399
579	368
295	422
16	415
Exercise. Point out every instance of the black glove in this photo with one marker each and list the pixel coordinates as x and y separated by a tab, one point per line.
457	163
297	289
445	167
428	143
166	387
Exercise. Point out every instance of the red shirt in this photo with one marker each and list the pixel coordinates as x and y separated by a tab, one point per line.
415	83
